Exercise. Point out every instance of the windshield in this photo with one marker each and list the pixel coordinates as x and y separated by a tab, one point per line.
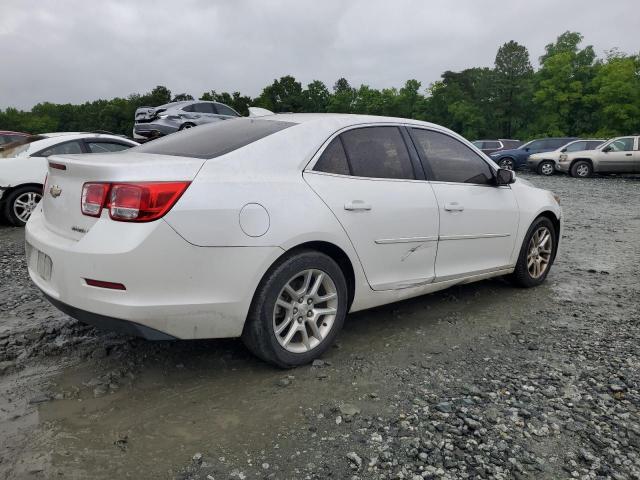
19	147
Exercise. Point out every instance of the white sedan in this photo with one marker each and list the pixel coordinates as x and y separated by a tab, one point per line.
23	166
274	228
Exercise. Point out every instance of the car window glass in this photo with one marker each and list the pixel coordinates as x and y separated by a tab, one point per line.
451	160
204	108
536	144
576	146
622	144
491	144
333	159
377	152
65	148
214	139
224	110
105	147
593	144
478	144
189	108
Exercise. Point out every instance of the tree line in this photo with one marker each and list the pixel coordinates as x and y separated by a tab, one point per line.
572	93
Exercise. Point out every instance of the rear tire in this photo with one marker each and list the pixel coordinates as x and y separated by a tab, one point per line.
581	169
537	254
546	168
186	126
287	331
507	163
20	203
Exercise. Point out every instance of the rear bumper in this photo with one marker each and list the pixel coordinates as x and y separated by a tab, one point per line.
173	288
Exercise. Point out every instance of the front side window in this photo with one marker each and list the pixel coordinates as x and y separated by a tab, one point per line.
478	144
66	148
593	144
106	147
622	144
224	110
577	146
377	152
214	139
450	159
333	159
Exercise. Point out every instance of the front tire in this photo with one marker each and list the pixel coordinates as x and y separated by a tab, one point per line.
546	168
21	203
507	163
537	254
297	310
581	169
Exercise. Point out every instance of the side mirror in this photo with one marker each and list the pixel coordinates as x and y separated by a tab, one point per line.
526	149
563	150
505	177
607	149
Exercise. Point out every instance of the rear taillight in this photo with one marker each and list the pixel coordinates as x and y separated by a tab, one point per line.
132	202
93	198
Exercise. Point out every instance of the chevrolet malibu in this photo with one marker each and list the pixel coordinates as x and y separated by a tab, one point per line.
274	228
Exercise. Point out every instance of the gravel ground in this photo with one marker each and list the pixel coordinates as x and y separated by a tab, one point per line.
479	381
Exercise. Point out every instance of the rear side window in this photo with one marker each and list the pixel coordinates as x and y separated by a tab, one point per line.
593	144
65	148
377	152
492	145
105	147
204	108
214	139
450	160
333	159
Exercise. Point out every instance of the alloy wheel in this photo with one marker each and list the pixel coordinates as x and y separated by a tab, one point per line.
546	168
506	163
25	204
305	311
582	170
539	252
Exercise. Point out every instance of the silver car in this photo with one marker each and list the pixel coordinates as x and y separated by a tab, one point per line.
619	155
153	122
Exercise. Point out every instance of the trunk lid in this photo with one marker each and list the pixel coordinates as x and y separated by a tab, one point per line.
147	114
66	175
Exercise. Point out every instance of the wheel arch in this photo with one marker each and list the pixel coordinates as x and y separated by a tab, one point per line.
582	159
556	226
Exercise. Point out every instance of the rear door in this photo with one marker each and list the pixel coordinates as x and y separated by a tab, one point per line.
478	220
371	179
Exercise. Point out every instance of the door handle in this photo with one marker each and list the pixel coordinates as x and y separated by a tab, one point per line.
357	205
627	154
453	207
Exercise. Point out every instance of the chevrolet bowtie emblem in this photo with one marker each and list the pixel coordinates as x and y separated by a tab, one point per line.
55	191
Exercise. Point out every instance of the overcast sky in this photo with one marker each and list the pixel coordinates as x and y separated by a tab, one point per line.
78	50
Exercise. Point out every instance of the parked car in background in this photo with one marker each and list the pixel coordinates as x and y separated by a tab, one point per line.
517	157
619	155
23	167
273	228
490	146
153	122
546	163
7	137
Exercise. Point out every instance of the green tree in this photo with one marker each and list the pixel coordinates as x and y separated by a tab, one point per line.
181	97
315	98
513	73
343	97
283	95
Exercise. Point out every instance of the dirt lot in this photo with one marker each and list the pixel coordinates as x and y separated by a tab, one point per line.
480	381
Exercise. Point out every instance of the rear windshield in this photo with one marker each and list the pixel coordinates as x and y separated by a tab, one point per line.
213	139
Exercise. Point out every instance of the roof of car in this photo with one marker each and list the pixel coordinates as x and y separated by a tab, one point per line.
342	119
9	132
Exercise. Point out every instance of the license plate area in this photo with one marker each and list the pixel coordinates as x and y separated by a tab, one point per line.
39	262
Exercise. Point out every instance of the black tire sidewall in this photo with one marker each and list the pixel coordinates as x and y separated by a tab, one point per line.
574	169
11	198
545	163
521	273
261	316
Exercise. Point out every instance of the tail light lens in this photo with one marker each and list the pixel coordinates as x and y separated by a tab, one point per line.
132	202
93	198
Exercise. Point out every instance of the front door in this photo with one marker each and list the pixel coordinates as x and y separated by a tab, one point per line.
478	220
618	156
367	179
